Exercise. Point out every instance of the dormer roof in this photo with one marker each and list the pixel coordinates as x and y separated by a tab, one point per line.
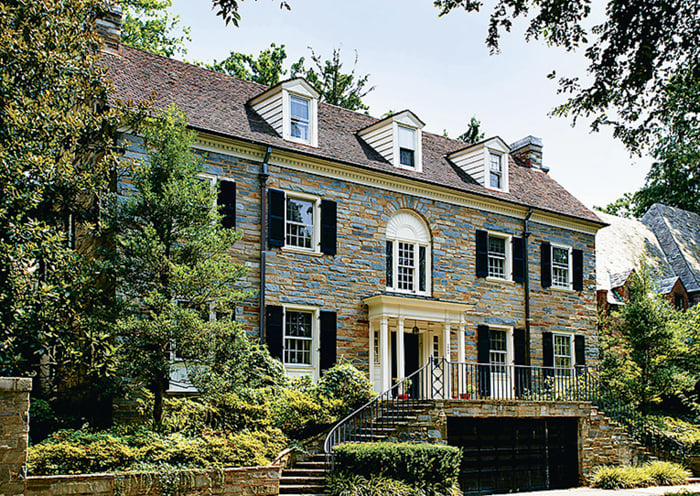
220	105
297	85
476	160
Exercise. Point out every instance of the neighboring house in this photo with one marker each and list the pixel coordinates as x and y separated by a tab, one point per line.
620	249
678	232
376	242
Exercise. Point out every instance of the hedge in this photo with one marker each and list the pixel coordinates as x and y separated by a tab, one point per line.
422	465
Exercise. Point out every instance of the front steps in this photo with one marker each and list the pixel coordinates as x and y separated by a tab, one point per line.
305	478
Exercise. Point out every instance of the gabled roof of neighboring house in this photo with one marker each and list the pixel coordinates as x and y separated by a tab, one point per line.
217	103
678	232
620	247
665	286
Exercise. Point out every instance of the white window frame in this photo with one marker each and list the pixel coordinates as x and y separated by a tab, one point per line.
569	284
287	114
571	356
509	349
487	169
416	269
316	233
417	150
295	369
414	132
307	101
508	269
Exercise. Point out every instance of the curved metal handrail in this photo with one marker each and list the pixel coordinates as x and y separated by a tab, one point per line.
373	406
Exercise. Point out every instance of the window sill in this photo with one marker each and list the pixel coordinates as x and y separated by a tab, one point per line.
408	293
563	290
302	251
498	279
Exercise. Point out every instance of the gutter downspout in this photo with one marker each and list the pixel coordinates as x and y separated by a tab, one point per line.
263	239
526	235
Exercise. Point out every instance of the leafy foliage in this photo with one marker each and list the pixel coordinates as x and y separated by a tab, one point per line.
376	485
473	134
228	10
58	145
627	477
430	467
80	452
336	87
632	55
147	25
348	385
171	260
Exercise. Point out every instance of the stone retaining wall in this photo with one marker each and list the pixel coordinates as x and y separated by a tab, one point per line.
14	434
246	481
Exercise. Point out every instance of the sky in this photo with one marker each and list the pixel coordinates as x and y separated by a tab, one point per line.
439	68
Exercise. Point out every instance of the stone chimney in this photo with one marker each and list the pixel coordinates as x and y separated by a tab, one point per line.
109	27
529	150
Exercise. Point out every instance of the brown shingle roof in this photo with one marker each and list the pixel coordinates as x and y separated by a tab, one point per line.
216	103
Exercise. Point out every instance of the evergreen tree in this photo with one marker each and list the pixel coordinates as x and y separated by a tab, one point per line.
171	262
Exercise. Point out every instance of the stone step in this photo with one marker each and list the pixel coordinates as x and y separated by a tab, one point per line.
321	465
302	489
298	481
304	472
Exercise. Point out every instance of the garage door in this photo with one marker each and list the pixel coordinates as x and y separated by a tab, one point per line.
506	455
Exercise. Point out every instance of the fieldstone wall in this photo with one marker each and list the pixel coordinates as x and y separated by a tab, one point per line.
246	481
14	434
600	440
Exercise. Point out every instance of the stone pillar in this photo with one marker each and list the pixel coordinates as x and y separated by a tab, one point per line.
461	368
400	350
14	434
384	351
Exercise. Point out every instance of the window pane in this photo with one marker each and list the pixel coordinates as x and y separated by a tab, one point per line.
300	129
407	138
562	355
406	266
297	337
407	157
301	211
498	351
560	267
495	163
497	257
299	108
300	222
497	245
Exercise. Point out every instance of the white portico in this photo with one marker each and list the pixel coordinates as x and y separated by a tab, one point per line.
405	331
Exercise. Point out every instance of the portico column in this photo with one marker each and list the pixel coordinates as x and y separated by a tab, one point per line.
400	358
371	351
384	351
461	358
446	353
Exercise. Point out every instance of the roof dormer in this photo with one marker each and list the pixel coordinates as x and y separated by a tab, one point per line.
291	109
486	162
398	139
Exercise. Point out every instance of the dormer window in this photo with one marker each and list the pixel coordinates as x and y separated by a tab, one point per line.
299	114
291	109
496	170
407	146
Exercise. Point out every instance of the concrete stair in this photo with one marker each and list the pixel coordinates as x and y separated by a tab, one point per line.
305	478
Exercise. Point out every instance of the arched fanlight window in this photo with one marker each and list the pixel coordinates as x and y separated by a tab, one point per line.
408	254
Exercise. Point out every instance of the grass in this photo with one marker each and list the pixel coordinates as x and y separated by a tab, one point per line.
628	477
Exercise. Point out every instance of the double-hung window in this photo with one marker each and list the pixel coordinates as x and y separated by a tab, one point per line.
298	337
561	267
563	355
300	222
495	170
407	146
497	257
498	351
408	254
299	114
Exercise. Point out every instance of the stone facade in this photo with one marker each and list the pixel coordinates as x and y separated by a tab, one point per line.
339	283
247	481
14	434
600	440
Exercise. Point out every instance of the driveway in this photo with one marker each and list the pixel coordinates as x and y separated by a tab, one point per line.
587	491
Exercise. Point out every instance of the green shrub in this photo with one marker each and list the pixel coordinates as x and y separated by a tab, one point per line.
626	477
681	430
348	385
80	452
356	485
188	416
296	411
666	474
427	466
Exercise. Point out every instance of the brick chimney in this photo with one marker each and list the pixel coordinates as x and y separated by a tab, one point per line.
109	27
529	151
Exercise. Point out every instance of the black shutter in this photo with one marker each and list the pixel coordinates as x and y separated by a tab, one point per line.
518	259
548	354
546	262
523	378
421	268
389	264
577	263
275	227
226	200
580	350
328	340
482	253
274	330
329	227
482	350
